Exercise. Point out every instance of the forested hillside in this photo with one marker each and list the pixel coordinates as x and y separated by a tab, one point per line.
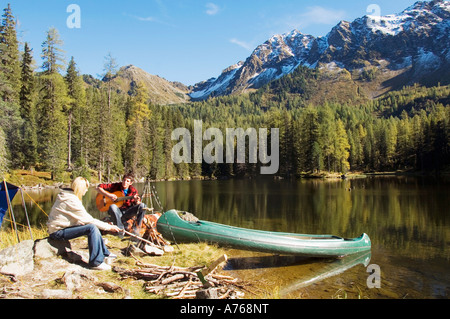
403	130
54	119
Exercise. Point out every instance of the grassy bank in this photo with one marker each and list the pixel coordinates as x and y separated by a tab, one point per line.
8	236
31	178
185	255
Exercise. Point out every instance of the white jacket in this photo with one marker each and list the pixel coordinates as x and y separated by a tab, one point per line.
68	211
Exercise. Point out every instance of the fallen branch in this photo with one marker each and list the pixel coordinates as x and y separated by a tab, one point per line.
183	291
172	279
215	264
135	273
11	277
142	239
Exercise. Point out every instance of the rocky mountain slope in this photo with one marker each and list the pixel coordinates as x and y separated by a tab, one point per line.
161	91
371	55
390	51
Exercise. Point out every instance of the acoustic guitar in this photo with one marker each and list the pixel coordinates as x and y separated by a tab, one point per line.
103	202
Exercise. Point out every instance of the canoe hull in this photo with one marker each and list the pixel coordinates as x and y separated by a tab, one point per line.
172	227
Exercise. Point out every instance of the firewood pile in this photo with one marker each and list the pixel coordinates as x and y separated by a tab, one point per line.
185	282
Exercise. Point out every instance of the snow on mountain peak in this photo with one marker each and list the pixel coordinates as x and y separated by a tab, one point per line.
393	24
366	40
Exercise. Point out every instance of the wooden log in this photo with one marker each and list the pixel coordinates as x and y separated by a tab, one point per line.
226	295
215	264
135	273
202	274
11	277
172	279
142	239
151	270
185	296
176	294
145	265
217	276
183	291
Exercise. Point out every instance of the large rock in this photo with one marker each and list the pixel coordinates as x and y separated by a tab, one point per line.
17	260
47	248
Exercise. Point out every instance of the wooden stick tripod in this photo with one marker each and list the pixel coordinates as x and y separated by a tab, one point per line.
154	236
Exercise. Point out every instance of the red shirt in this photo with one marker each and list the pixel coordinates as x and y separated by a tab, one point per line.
117	187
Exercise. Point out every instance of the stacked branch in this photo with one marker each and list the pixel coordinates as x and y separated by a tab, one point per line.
184	282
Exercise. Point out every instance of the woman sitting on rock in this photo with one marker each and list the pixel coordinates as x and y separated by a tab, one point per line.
69	219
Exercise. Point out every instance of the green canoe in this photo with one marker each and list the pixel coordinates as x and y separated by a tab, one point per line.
173	227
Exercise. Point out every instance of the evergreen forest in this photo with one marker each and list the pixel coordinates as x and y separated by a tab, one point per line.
54	119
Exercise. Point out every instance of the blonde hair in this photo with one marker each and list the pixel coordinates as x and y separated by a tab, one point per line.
79	186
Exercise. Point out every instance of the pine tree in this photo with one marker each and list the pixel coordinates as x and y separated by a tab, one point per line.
156	130
308	144
359	140
107	136
110	69
9	57
73	111
89	130
327	135
120	132
3	155
27	110
169	167
52	122
10	119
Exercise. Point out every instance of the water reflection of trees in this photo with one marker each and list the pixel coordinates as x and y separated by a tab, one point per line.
401	213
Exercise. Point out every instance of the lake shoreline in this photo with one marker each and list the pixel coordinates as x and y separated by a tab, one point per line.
318	175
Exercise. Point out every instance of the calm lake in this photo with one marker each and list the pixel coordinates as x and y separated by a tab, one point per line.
407	219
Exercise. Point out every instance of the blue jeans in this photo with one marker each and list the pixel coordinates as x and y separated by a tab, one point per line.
97	248
119	216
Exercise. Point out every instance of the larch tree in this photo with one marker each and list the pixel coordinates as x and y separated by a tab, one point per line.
137	124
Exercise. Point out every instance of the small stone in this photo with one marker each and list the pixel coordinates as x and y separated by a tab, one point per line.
211	293
56	294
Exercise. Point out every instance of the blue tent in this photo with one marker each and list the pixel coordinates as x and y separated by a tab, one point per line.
4	200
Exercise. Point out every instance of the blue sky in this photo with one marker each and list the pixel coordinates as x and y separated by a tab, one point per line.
180	40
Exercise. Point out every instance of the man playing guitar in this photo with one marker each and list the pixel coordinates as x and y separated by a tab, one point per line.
123	200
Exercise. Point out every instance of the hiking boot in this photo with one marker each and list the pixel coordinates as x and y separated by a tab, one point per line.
110	259
102	266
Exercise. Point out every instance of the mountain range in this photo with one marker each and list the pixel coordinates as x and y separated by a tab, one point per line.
377	54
